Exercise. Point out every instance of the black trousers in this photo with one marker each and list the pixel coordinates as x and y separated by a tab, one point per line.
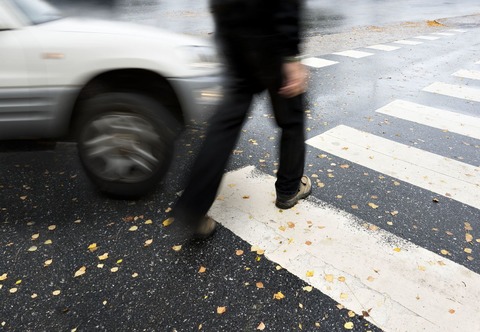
251	69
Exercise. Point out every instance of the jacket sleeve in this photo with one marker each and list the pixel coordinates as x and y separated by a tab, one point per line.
287	22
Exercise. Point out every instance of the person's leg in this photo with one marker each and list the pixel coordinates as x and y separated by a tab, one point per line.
207	171
289	115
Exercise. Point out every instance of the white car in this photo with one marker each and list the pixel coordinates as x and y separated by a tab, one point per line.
122	91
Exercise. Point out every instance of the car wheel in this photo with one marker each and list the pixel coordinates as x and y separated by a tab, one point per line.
125	142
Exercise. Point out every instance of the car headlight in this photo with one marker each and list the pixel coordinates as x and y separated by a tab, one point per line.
200	56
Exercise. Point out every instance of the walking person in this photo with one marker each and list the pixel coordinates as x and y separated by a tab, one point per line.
260	41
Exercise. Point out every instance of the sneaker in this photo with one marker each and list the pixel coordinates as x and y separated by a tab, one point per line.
206	228
304	189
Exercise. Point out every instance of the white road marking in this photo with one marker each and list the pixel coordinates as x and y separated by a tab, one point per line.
443	34
458	30
354	54
408	42
472	74
318	62
433	117
441	175
427	37
407	288
382	47
457	91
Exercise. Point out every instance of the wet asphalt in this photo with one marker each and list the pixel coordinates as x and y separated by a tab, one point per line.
50	216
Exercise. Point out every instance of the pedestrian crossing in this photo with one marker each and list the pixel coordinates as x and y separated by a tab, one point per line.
356	267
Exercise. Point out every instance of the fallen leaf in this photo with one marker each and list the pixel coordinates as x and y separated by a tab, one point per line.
261	326
221	310
202	269
329	277
468	237
52	227
341	279
103	257
48	262
80	271
48	242
13	290
468	227
278	267
259	284
351	314
100	266
148	242
451	311
445	252
114	269
370	278
435	200
345	166
92	247
23	198
308	243
308	288
373	205
355	207
177	248
35	236
168	222
3	277
468	250
397	249
134	275
394	213
348	326
119	261
56	292
133	228
344	296
310	274
32	248
148	222
291	224
278	296
239	252
34	295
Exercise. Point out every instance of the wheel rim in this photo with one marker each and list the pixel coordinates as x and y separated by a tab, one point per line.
122	147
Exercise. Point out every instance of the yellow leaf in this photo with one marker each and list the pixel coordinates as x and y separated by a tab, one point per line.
221	310
167	210
119	261
18	282
133	228
373	205
397	249
246	197
468	250
13	290
52	227
290	224
278	296
56	292
259	284
278	267
468	237
341	279
134	275
80	271
148	242
310	273
422	268
148	222
355	207
308	288
48	242
34	295
394	213
168	222
177	248
261	326
202	269
92	247
351	314
114	269
348	326
343	296
100	266
103	257
282	228
329	277
239	252
370	278
445	252
32	248
3	277
23	198
35	236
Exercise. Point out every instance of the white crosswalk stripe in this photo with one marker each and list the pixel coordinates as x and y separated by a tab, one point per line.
435	173
406	287
408	42
354	54
471	74
452	90
433	117
318	62
443	34
427	37
387	48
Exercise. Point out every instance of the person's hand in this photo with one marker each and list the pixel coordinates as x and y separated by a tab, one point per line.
295	79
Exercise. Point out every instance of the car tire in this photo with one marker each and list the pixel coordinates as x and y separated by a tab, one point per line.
125	142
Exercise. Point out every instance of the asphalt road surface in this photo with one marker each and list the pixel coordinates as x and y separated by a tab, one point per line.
389	239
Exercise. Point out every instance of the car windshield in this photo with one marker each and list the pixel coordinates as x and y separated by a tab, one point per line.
37	11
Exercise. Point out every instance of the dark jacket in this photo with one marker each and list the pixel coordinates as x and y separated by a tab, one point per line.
274	24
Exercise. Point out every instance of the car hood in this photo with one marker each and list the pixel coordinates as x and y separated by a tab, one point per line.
105	27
